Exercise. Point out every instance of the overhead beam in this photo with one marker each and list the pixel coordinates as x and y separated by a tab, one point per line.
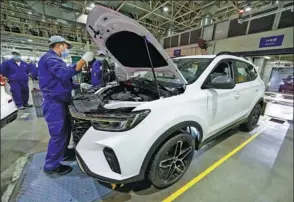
155	9
121	5
159	15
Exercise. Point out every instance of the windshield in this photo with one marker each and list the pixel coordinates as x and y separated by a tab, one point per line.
192	68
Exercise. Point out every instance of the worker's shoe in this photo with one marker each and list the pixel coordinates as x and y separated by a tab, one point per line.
27	105
20	108
69	155
60	170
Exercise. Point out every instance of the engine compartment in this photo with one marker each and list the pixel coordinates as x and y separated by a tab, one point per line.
133	90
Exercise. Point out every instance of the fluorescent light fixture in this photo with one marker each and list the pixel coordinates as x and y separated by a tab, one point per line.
248	9
165	9
30	40
92	5
30	13
267	57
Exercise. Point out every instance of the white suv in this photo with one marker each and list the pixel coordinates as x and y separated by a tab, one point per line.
150	126
8	107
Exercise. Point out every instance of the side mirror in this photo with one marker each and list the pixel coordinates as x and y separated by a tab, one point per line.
223	82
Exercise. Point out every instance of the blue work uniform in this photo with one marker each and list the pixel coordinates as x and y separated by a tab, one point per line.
55	81
96	73
33	71
18	79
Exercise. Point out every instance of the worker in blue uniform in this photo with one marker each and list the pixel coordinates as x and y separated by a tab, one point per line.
55	81
17	73
33	70
96	71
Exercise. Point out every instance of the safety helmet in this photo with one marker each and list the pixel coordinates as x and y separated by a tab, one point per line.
58	39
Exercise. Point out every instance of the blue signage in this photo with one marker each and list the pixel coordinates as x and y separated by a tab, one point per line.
177	52
271	41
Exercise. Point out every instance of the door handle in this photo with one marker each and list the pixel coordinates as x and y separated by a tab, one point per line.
237	96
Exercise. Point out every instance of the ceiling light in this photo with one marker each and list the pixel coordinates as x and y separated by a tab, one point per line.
248	9
30	40
165	9
92	5
267	57
30	13
277	2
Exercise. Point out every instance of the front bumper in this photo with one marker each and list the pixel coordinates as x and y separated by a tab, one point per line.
8	119
85	169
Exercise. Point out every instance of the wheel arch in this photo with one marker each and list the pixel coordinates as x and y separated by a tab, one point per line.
171	132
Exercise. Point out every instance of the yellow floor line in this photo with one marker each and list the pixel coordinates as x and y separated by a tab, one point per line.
194	181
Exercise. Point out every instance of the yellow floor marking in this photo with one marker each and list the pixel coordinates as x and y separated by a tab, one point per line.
194	181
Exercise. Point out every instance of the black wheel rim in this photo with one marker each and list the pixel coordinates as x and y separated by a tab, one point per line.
175	162
255	117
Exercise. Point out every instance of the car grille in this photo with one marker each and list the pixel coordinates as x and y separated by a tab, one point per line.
112	160
79	128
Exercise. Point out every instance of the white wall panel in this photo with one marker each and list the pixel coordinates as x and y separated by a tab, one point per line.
251	42
221	30
208	32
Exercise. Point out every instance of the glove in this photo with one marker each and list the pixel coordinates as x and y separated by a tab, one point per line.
85	86
88	56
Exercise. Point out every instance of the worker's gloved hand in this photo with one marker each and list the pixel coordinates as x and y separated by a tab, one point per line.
85	86
88	56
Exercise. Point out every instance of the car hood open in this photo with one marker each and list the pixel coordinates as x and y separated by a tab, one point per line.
128	43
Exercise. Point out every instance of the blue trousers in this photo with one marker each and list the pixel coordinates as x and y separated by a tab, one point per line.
57	118
20	92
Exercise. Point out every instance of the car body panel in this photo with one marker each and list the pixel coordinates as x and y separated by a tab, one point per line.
8	108
103	23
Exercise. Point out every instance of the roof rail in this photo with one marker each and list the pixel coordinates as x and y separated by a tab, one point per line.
227	53
230	53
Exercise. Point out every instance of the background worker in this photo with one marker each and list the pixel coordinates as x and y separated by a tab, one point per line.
17	73
55	81
34	70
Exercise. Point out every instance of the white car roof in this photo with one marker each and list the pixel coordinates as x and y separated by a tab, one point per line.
196	56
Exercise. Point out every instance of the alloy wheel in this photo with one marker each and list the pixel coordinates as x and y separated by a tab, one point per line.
175	162
255	116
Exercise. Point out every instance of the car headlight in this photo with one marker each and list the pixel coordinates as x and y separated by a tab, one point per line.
119	123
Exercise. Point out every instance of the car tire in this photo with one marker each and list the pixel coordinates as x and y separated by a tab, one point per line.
172	160
252	119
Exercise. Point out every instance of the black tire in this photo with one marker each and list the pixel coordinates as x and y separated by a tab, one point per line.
169	158
252	119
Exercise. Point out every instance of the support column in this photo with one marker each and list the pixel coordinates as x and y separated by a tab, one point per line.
260	62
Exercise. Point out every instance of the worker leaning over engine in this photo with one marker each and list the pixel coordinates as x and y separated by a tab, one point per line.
96	71
55	80
17	71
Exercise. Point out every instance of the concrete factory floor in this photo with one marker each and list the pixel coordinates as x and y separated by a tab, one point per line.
261	171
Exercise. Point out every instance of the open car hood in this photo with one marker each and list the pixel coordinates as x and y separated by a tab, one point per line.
128	43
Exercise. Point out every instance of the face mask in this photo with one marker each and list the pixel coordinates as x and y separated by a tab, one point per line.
65	53
16	57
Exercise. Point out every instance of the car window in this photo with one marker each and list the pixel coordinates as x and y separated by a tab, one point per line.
222	69
192	68
245	72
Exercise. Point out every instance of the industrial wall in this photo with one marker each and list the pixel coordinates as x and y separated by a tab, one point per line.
240	43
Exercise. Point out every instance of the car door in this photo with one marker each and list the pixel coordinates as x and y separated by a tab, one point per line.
221	102
247	87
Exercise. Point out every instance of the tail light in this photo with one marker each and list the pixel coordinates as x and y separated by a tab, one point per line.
2	81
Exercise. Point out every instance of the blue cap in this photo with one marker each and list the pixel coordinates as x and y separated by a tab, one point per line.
58	39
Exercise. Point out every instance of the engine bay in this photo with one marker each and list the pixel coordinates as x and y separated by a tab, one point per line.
133	90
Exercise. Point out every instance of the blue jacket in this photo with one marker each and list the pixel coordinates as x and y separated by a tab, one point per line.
96	73
33	70
13	72
55	77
